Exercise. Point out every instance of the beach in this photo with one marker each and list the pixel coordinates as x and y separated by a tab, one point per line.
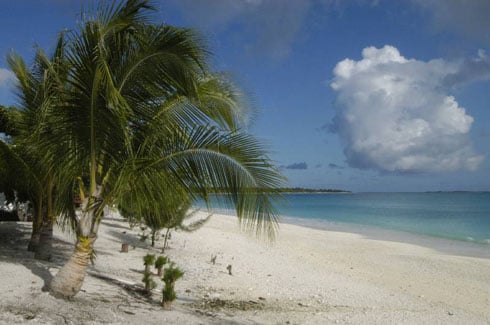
307	276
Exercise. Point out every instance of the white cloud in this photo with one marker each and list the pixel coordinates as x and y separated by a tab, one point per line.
396	114
6	77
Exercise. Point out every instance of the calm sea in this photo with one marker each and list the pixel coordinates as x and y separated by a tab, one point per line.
455	215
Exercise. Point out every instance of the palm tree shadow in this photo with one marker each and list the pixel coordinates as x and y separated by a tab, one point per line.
42	271
137	291
128	238
14	238
114	225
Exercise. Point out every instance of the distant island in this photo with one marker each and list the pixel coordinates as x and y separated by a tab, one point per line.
311	190
291	190
459	191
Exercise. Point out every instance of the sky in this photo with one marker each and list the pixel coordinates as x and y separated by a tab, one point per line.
367	96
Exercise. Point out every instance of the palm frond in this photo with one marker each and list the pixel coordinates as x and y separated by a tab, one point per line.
206	161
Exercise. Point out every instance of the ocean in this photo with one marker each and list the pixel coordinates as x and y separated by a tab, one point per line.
461	216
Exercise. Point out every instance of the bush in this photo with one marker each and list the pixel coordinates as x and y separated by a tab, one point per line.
159	263
148	260
172	274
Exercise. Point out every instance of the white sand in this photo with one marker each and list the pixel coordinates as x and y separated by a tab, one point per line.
307	277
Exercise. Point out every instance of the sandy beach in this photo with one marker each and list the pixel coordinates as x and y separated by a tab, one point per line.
307	276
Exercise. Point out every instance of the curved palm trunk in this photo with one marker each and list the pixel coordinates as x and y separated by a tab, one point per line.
69	279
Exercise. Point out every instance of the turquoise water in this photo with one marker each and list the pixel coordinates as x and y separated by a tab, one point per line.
456	215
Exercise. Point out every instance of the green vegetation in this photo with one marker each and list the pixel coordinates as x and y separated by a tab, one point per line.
129	113
171	216
172	274
148	261
10	118
31	176
159	263
149	283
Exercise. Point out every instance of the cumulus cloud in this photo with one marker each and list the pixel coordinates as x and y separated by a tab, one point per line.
273	24
396	114
6	77
300	165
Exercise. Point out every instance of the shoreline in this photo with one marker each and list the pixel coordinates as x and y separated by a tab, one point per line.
447	245
463	218
444	244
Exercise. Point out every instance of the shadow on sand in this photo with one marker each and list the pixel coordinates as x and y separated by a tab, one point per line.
14	238
128	238
114	225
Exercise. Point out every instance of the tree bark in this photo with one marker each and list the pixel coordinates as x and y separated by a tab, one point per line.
34	241
69	279
36	231
45	247
167	305
165	241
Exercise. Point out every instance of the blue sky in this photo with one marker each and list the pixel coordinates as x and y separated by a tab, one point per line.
360	95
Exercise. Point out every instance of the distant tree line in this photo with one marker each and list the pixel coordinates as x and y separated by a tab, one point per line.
310	190
288	190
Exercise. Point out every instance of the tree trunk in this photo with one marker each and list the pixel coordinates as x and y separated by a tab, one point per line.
45	247
36	231
167	305
153	233
69	279
167	233
34	241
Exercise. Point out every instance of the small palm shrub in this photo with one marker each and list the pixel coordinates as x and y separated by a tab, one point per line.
159	263
150	284
148	261
172	274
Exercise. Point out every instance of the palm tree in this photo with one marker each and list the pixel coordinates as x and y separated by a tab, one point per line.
19	177
40	90
22	174
168	213
132	121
